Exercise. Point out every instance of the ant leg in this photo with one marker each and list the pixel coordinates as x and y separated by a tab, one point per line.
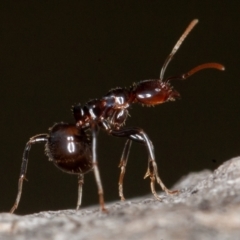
80	184
137	134
124	158
122	165
139	139
35	139
95	166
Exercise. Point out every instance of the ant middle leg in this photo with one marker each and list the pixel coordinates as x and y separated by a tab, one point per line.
94	129
80	184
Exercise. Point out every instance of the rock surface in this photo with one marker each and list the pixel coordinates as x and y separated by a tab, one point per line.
208	207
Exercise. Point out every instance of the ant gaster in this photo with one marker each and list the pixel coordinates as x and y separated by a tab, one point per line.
72	147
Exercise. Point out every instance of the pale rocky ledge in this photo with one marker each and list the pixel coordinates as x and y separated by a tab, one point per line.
208	207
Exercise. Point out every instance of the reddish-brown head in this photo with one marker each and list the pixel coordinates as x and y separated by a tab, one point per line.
153	92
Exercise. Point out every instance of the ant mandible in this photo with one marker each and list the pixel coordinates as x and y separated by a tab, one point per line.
72	147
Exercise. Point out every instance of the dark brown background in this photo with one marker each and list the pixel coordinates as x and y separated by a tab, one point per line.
56	54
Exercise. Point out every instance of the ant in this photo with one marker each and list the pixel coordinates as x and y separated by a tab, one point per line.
72	147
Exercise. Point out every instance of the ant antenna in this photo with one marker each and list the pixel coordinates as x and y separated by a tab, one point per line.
201	67
184	76
177	45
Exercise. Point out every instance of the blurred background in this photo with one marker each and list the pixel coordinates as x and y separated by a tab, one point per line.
59	53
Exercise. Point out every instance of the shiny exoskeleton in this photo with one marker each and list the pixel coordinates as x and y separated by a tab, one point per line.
72	147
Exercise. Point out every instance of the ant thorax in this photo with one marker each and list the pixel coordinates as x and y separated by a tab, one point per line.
109	112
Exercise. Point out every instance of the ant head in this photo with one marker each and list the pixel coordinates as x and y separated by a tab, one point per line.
155	91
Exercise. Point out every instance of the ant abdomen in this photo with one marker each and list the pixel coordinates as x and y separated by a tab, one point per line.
69	148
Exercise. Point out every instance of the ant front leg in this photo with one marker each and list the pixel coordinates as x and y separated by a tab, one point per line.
35	139
122	165
137	134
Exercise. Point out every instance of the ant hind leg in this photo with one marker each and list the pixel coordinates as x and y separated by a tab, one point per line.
23	171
